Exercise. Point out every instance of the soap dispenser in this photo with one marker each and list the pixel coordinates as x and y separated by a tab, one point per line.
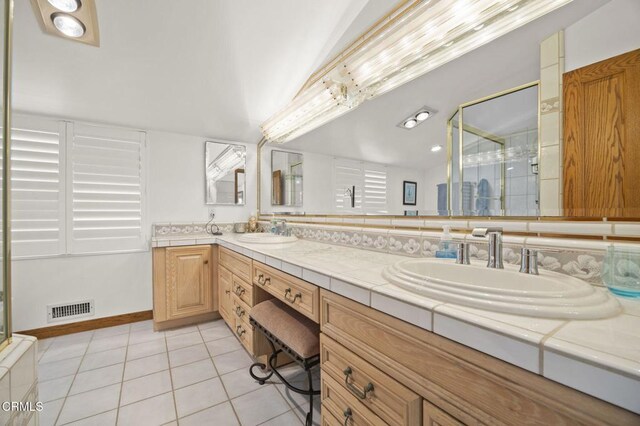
446	248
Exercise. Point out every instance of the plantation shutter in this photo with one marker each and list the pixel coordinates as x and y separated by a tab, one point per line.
37	187
375	189
106	189
370	181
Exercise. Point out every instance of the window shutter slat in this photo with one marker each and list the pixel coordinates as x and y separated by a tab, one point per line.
37	187
107	186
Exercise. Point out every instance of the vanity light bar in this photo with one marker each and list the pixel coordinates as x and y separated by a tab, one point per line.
420	37
71	19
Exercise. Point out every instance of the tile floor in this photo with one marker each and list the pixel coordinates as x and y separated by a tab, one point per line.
131	375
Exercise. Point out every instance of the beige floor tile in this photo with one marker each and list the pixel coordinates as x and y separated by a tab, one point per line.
53	370
103	359
240	382
108	342
232	361
50	411
289	418
199	396
195	372
148	365
98	378
188	355
183	340
145	387
153	411
54	389
90	403
259	406
146	349
104	419
224	345
221	414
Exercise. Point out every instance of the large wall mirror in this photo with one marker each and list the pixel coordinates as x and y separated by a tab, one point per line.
225	173
480	135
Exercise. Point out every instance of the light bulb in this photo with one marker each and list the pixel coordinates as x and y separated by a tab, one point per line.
478	27
68	25
422	115
436	148
410	123
65	5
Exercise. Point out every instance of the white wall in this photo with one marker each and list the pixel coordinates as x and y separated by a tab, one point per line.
611	30
121	283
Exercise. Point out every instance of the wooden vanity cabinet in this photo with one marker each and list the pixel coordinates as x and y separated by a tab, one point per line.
184	289
237	297
459	385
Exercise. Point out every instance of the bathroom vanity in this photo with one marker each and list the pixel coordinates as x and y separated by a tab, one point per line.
383	360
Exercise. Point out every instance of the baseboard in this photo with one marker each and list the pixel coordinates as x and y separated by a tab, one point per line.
197	319
93	324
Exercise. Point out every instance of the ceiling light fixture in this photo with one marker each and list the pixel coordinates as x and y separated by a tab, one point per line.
422	115
478	27
416	118
394	51
68	6
410	123
436	148
68	25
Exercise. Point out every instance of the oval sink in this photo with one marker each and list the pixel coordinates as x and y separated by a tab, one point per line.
265	238
548	295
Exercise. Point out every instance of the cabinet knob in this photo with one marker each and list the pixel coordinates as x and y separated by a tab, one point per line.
206	262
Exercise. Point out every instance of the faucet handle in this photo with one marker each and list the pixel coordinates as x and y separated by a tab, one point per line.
462	254
529	261
483	232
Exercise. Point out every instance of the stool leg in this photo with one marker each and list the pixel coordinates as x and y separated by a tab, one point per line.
263	367
309	421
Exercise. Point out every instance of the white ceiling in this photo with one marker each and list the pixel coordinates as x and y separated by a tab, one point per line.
370	132
215	68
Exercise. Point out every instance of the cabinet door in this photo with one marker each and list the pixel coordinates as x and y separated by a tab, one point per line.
189	287
224	293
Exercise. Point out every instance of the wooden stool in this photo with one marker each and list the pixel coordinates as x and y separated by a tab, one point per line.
290	332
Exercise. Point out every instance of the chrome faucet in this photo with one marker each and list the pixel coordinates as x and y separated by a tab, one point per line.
495	245
281	227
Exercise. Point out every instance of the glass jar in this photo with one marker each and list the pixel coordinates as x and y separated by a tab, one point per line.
622	271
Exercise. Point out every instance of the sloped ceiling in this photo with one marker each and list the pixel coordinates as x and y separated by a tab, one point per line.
215	68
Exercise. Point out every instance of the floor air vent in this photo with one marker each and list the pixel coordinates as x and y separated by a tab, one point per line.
70	310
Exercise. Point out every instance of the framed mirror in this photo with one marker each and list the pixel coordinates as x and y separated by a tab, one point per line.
225	176
286	178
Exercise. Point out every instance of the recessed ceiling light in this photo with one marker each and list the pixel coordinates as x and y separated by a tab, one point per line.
422	115
478	27
68	25
410	123
436	148
65	5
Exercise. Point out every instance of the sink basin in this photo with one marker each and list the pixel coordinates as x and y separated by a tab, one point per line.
265	238
548	295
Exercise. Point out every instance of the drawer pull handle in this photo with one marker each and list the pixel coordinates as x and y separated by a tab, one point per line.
240	331
287	292
362	394
239	291
263	281
227	291
239	311
347	415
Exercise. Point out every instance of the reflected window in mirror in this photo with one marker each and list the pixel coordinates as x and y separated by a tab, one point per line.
225	173
286	178
494	155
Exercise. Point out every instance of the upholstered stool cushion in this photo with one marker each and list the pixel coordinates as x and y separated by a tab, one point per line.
291	327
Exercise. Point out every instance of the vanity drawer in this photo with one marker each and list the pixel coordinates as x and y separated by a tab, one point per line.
240	310
390	400
328	419
242	290
300	295
238	264
433	416
344	406
245	333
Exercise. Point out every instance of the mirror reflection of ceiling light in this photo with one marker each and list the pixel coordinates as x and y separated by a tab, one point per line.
422	115
395	51
68	25
228	160
416	118
436	148
410	123
68	6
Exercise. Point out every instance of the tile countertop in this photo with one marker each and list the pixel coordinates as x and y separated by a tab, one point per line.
598	357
